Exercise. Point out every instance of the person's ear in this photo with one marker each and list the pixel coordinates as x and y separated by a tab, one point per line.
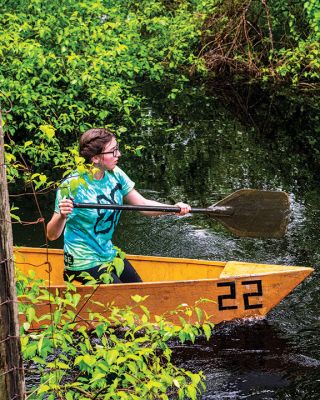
95	159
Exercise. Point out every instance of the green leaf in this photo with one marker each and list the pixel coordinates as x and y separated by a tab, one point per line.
192	393
62	365
28	143
207	330
89	360
176	383
30	314
69	395
199	313
26	326
112	355
138	299
118	263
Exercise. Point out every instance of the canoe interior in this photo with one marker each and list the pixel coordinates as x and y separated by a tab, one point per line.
151	269
48	264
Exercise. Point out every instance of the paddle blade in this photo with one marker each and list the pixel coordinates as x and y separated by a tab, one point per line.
256	213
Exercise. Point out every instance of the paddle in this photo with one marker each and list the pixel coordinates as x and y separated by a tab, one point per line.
246	212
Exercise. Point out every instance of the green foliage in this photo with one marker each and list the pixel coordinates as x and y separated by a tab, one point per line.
125	356
42	150
76	64
312	8
67	66
301	62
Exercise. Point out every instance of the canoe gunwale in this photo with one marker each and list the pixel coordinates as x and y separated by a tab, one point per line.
204	281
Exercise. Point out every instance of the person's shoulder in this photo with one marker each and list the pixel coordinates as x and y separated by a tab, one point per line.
122	178
117	171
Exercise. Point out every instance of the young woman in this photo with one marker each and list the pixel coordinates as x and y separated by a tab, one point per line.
88	232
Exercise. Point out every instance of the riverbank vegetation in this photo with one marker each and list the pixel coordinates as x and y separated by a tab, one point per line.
275	41
123	356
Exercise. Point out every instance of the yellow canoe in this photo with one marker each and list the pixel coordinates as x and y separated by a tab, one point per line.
236	289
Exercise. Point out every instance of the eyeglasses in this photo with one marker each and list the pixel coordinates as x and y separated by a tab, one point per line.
113	152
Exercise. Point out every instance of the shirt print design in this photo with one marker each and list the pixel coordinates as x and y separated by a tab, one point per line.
107	221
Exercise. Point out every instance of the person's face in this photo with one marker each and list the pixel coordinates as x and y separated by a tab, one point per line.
108	158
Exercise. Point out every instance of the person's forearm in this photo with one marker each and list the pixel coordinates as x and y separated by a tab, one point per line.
148	202
135	198
55	227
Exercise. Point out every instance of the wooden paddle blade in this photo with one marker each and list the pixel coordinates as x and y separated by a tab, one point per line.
256	213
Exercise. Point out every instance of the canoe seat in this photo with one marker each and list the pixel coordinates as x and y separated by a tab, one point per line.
236	268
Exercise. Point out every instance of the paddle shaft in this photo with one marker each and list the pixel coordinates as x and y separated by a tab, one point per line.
246	212
214	211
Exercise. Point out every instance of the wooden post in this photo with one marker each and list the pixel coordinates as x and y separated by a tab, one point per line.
12	385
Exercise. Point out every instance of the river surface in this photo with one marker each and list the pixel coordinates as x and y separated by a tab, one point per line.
199	152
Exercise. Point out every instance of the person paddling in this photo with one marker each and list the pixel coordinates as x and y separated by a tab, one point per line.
88	232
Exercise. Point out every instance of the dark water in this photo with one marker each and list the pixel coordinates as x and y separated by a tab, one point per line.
199	152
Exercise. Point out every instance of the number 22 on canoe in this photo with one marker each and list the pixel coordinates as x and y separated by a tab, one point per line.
246	212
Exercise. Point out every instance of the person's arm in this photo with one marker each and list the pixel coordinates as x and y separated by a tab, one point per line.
57	223
135	198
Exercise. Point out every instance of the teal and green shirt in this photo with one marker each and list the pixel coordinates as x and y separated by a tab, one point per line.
88	232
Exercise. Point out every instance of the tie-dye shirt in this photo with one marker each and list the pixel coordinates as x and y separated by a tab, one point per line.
88	232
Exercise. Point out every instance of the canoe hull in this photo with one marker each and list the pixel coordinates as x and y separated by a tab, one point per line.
232	290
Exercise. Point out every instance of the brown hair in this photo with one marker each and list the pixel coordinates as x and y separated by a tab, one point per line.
93	141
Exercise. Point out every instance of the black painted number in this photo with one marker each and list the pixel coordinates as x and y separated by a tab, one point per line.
247	302
230	296
246	296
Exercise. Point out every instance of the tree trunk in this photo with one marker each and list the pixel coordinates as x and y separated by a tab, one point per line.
12	385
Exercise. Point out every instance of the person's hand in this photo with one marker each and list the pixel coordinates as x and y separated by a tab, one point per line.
184	208
66	207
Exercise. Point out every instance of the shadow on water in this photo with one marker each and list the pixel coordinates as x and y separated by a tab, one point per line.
199	150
